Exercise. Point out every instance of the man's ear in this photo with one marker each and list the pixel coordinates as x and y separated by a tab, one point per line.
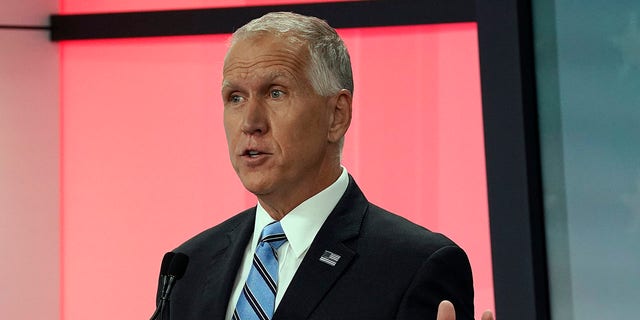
340	117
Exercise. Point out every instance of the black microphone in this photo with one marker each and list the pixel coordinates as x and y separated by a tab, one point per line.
177	265
164	279
164	268
176	270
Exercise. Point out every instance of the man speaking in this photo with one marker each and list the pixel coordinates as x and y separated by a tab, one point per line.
314	247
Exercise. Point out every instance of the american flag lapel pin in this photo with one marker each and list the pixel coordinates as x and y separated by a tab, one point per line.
329	258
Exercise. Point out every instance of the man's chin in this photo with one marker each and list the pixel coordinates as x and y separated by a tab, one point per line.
258	182
256	188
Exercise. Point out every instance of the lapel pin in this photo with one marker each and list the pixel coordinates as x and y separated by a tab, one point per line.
330	258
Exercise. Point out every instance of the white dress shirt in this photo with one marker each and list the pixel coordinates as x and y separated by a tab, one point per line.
300	225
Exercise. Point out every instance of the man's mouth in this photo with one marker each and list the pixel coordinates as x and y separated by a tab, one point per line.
252	153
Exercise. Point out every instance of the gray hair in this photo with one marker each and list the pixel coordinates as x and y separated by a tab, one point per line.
330	66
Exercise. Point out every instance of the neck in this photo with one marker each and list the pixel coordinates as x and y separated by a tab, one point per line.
278	206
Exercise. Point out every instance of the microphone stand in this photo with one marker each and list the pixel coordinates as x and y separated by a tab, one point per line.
161	305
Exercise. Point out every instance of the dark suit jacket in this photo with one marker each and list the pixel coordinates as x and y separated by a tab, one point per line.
389	268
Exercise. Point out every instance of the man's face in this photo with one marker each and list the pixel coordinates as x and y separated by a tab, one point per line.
275	123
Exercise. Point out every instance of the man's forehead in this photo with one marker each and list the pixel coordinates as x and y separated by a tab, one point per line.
234	79
271	62
253	47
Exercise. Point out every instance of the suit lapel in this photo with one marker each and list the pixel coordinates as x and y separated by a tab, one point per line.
223	269
316	276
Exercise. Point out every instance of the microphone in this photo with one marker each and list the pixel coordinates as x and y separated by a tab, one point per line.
164	279
172	269
164	267
176	270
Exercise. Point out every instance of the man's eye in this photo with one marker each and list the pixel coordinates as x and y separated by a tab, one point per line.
235	99
275	94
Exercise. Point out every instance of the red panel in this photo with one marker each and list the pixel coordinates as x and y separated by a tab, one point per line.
145	165
416	144
145	161
98	6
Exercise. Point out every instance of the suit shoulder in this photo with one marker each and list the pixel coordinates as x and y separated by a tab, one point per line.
215	234
400	233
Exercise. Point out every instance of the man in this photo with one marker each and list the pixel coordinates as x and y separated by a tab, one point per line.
313	247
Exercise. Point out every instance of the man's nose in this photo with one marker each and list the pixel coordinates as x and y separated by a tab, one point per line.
254	119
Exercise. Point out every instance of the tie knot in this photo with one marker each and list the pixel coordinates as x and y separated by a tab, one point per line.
273	235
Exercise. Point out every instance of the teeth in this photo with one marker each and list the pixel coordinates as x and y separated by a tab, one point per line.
253	153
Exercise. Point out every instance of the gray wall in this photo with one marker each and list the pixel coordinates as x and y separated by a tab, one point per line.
29	163
588	68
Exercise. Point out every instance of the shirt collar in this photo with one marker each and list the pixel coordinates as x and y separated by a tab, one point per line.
303	222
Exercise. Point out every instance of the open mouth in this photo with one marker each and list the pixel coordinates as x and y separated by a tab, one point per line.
252	153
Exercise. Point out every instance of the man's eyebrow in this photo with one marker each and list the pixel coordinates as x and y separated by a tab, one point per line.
226	84
279	74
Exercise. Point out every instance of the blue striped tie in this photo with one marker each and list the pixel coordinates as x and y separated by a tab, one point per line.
258	297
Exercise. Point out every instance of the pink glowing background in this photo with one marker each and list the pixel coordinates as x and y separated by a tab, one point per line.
145	166
101	6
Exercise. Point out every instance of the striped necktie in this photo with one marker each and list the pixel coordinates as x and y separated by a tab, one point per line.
258	297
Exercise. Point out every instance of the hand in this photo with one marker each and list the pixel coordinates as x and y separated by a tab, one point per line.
446	311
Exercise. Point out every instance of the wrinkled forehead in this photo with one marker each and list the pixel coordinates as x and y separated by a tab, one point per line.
260	41
259	52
